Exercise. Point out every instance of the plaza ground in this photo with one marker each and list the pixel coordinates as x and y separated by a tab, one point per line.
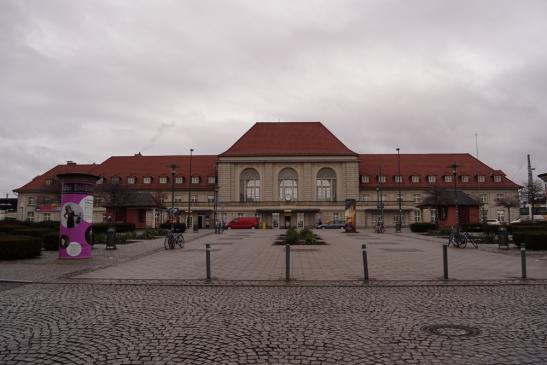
141	304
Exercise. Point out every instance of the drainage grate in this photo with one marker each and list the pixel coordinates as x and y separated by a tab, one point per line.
451	330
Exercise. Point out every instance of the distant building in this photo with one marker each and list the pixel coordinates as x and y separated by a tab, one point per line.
284	173
8	208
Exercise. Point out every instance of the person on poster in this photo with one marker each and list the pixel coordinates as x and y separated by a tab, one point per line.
71	217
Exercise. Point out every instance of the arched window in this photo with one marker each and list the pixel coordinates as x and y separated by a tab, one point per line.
288	184
249	186
326	184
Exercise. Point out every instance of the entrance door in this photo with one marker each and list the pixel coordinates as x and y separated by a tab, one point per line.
200	221
287	221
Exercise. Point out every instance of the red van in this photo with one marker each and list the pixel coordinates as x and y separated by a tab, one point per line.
243	222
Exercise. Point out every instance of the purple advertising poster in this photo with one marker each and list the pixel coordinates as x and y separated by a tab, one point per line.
76	219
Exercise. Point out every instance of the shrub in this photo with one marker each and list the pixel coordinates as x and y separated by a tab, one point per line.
532	240
51	242
32	232
291	237
421	227
488	237
179	227
119	227
19	247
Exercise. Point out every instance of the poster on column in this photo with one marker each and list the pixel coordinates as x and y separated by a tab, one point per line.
75	233
350	214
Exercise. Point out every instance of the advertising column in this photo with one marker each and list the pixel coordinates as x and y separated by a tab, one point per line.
76	215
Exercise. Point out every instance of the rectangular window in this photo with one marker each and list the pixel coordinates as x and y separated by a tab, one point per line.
194	198
432	178
365	179
179	180
500	215
400	197
240	215
481	178
210	198
163	179
465	178
497	178
163	198
417	198
417	216
195	179
483	198
364	197
30	216
147	180
178	199
211	180
130	180
334	217
30	200
500	196
415	179
381	179
47	217
448	178
395	219
433	213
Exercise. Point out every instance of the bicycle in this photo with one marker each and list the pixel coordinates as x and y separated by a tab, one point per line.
460	240
379	228
173	238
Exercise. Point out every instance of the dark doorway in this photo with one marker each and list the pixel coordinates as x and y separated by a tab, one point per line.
287	221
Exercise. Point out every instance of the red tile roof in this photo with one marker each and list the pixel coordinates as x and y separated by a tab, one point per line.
288	139
424	165
39	182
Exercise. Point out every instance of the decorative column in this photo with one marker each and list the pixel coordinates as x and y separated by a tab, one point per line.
76	215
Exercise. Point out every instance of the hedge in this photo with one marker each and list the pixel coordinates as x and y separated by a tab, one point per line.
119	227
51	242
32	232
179	227
19	247
421	227
532	240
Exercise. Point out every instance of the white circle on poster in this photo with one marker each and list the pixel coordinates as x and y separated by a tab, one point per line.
86	206
74	249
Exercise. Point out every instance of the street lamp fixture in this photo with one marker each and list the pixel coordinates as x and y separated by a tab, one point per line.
189	189
454	168
400	221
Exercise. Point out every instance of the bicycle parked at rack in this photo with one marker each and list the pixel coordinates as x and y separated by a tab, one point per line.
460	239
173	239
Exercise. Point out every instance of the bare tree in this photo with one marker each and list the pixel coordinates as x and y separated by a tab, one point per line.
508	203
533	194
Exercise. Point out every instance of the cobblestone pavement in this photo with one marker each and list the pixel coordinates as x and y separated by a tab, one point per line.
250	255
148	324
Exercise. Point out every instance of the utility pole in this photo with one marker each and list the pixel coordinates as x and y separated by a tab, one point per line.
531	191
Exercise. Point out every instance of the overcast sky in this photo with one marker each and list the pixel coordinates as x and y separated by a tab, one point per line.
84	80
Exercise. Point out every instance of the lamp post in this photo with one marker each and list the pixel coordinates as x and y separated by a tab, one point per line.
400	221
172	216
454	167
189	188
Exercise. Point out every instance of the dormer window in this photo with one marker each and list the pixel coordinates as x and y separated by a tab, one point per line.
147	180
481	178
179	180
497	178
115	180
100	181
163	179
49	182
398	179
131	180
448	178
465	178
211	180
415	179
195	179
381	179
365	179
432	178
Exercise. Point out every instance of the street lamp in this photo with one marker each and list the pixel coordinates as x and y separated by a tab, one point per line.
399	223
173	167
454	167
189	188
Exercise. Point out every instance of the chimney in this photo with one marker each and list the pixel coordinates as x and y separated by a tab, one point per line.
71	163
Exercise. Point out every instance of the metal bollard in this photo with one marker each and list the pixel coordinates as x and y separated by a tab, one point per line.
208	260
523	259
365	260
287	262
445	261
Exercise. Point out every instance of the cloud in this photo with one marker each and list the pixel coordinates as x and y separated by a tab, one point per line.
85	80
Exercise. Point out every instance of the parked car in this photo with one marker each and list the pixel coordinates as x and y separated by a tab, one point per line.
332	225
493	222
243	223
525	219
